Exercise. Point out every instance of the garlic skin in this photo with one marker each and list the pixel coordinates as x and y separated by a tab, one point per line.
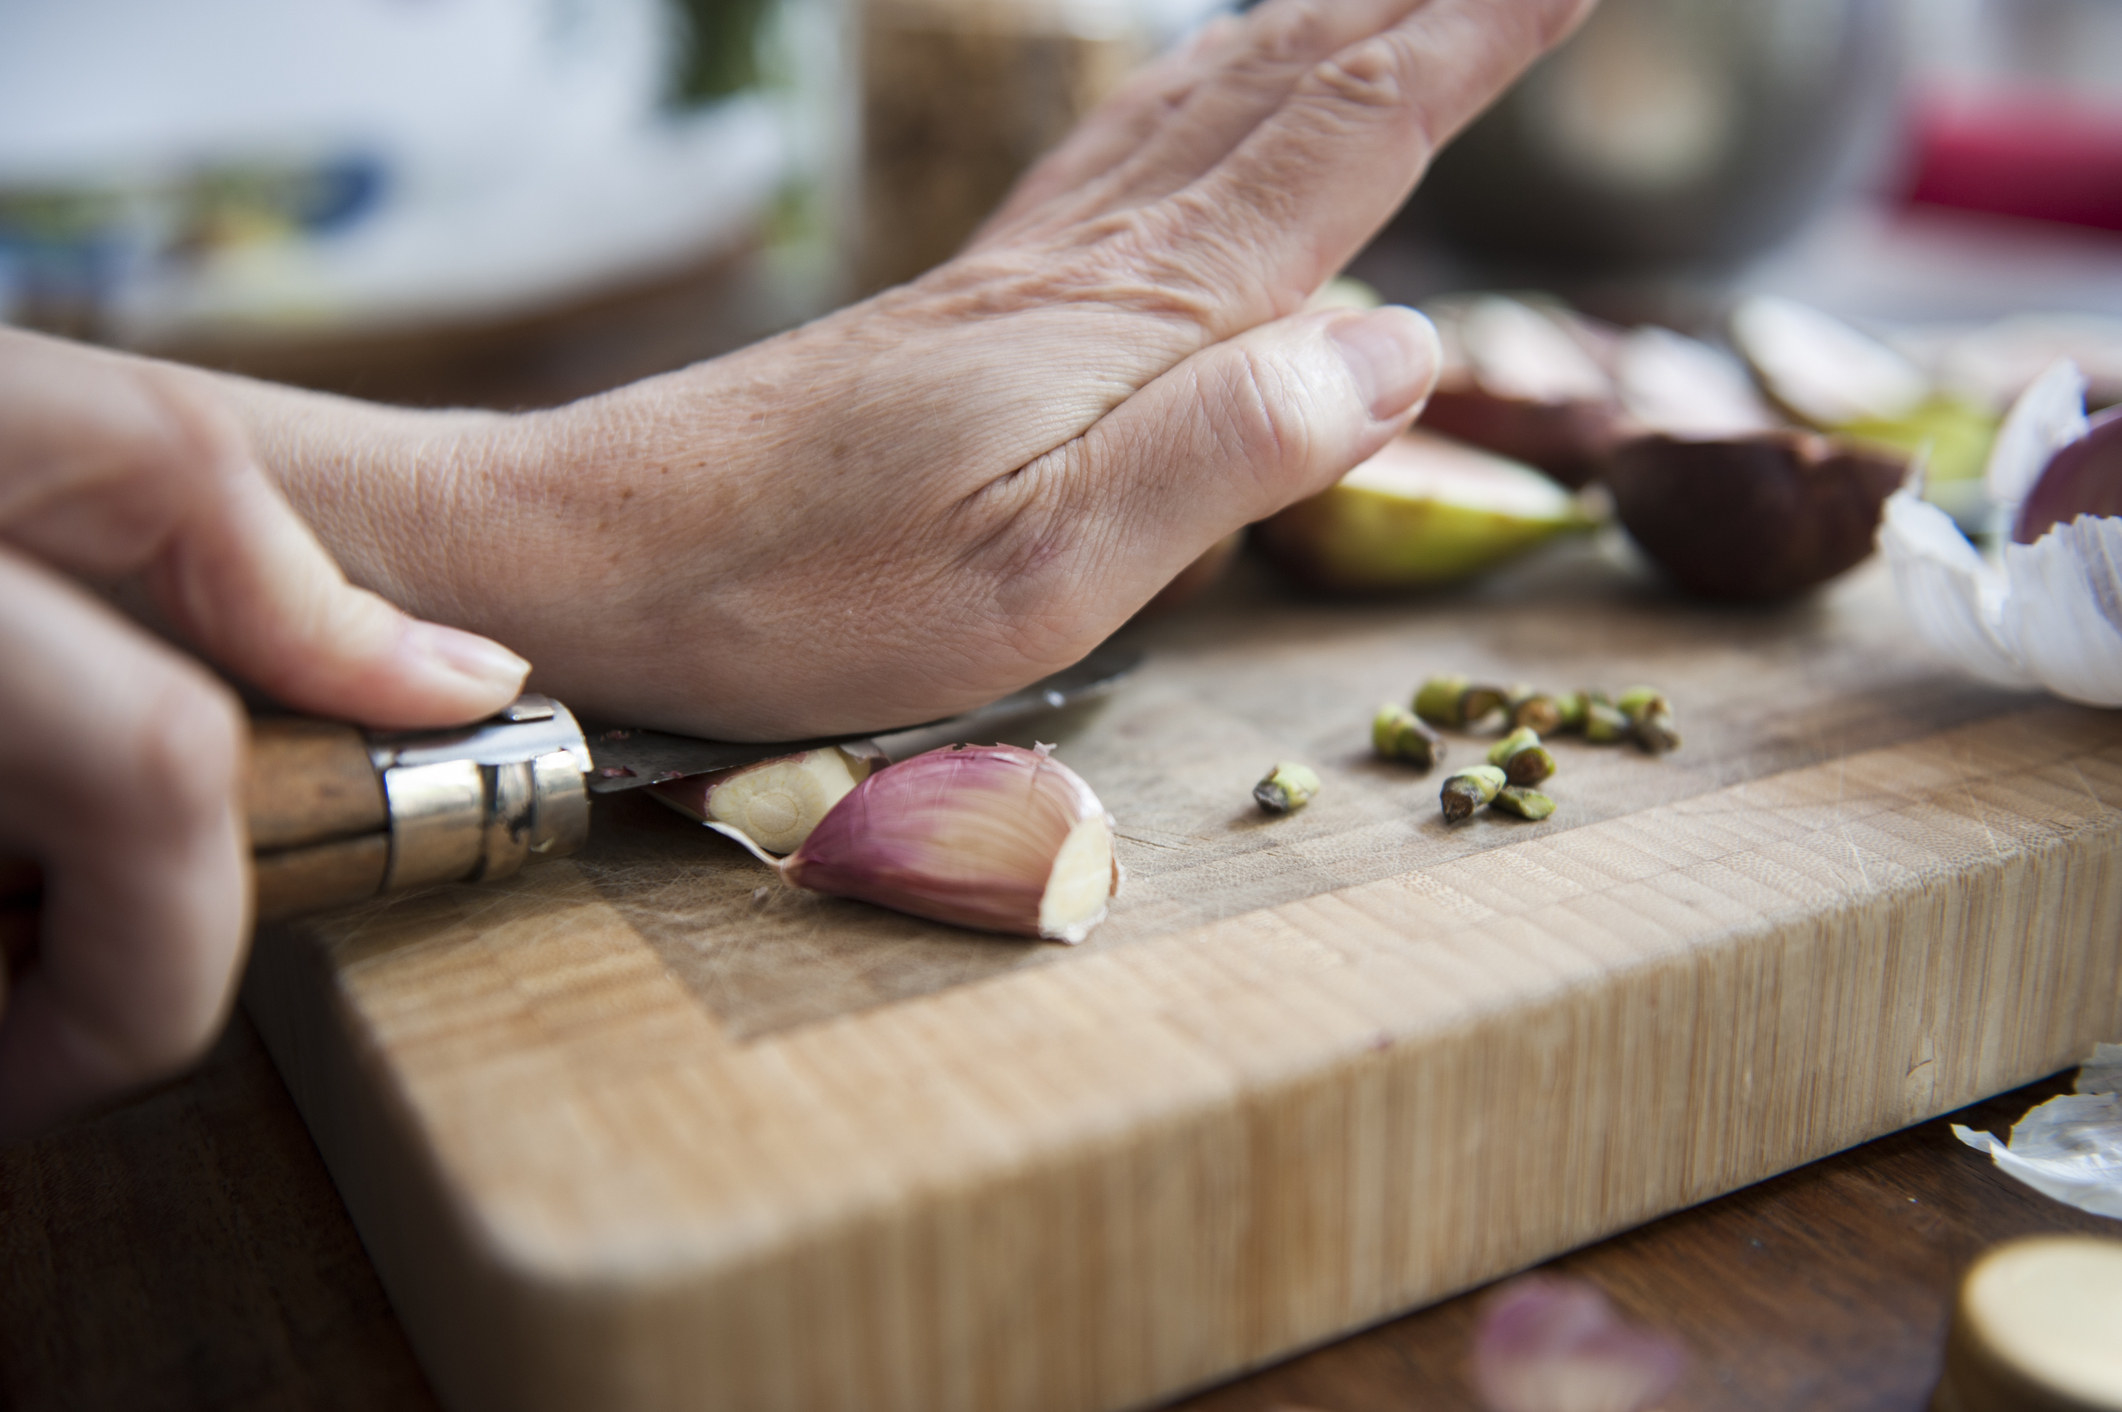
776	803
2044	614
996	837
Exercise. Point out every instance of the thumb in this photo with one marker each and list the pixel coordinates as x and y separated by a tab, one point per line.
117	467
1246	426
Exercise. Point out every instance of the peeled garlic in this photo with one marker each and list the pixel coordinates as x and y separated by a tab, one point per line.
774	804
2047	613
994	837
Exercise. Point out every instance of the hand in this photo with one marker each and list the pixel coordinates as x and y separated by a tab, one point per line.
927	499
120	757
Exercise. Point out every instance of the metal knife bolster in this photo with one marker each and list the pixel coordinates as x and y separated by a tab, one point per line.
478	803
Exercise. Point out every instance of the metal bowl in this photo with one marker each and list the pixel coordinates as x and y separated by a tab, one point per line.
1670	133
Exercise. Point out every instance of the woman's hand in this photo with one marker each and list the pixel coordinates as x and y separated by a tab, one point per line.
121	758
930	498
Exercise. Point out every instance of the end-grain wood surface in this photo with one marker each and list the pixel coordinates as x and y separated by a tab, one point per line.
188	1253
627	1131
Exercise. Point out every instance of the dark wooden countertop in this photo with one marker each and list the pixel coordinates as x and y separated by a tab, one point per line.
188	1250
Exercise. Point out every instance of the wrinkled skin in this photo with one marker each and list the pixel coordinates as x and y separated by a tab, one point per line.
908	507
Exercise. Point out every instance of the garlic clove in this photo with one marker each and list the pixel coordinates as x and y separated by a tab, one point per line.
1548	1343
997	838
2083	477
774	804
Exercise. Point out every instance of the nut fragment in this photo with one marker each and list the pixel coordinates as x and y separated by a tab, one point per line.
1480	703
1522	758
1525	803
1650	718
1605	723
1535	710
1286	788
1396	733
1440	700
1468	790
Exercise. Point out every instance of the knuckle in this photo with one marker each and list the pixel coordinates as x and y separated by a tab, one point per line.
1292	33
186	754
1373	75
196	439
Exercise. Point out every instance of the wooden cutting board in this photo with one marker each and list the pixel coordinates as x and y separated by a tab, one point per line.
642	1130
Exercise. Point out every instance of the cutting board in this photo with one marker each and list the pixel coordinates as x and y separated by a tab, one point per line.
642	1129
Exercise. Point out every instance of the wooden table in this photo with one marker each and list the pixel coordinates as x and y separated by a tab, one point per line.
188	1250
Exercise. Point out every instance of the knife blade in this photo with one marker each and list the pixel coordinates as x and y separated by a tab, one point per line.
627	757
338	815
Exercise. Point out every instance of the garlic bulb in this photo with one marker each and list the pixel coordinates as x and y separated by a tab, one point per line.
2047	613
994	837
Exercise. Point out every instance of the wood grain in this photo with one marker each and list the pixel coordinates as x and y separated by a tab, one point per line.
1295	1087
296	880
187	1251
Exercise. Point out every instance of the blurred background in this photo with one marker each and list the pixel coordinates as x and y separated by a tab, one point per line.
520	201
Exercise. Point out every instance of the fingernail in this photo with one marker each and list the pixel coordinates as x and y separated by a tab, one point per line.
469	655
1393	354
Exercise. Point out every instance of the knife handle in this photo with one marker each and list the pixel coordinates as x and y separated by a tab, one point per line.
319	819
337	814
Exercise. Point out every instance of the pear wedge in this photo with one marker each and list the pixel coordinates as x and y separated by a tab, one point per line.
1424	511
1839	379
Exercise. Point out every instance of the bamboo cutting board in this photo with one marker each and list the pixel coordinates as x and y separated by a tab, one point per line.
641	1130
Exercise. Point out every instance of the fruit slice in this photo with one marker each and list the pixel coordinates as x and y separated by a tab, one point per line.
1426	510
1751	518
1839	379
1525	381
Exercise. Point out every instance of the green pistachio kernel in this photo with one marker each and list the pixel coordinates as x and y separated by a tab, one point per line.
1525	803
1468	790
1397	733
1286	788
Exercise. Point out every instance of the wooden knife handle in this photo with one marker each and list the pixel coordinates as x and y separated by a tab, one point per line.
319	823
337	816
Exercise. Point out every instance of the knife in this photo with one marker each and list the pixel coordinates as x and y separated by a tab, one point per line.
338	814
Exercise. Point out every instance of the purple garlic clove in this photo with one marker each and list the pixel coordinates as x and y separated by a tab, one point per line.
993	837
2083	478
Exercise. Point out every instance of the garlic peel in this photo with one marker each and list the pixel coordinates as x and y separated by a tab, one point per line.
2047	613
2049	416
1953	597
2070	1147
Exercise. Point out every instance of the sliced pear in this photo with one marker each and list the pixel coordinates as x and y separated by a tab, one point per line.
1824	371
1426	510
1842	380
1683	387
1525	380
